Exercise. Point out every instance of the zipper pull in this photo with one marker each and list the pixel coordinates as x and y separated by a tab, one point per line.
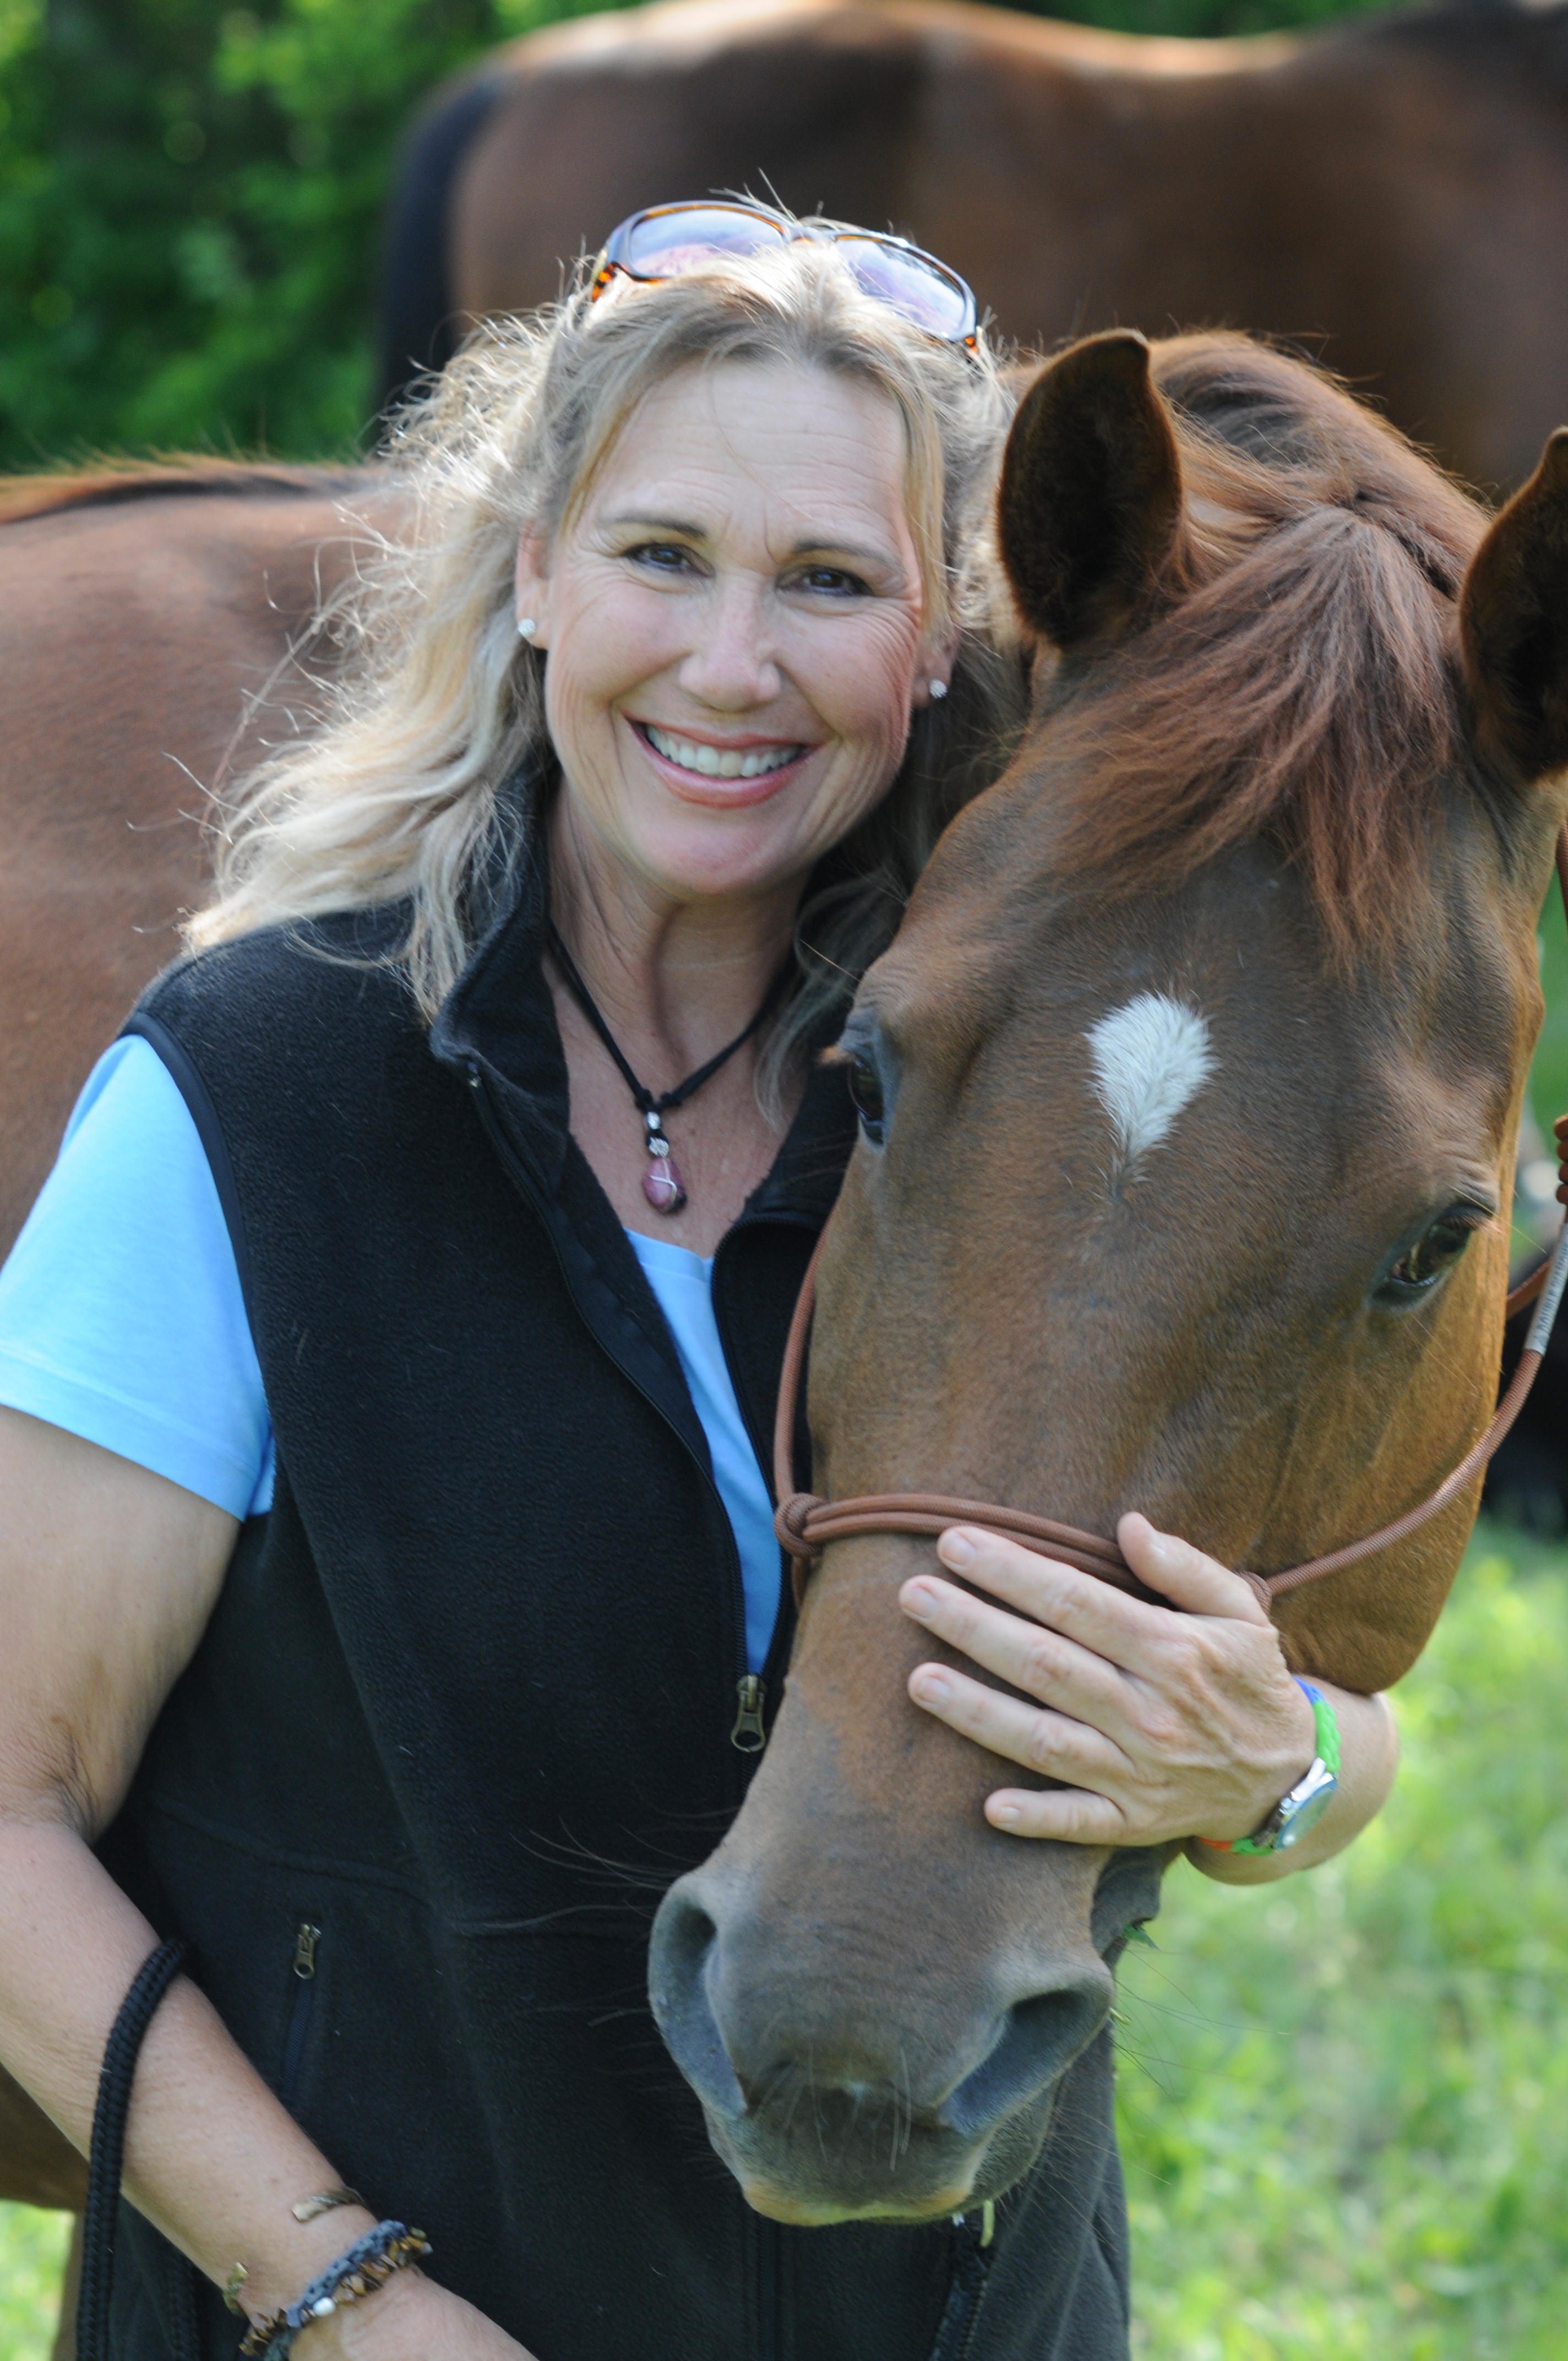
748	1737
306	1938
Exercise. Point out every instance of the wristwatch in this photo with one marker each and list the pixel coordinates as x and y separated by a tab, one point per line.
1309	1798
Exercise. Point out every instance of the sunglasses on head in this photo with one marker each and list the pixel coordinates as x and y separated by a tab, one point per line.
665	240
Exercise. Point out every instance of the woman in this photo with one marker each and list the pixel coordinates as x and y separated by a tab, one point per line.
475	1158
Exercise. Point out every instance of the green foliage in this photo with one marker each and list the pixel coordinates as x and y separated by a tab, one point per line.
1202	19
32	2257
190	196
1549	1073
190	204
1345	2099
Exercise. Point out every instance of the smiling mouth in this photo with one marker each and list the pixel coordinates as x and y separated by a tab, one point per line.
719	762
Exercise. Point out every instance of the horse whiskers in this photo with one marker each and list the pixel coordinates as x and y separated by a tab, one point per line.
601	1867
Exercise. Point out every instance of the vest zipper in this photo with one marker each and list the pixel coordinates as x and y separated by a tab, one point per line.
960	2325
770	2342
304	1965
744	1741
749	1734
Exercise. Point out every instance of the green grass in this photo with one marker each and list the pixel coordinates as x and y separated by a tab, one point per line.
1345	2099
1549	1073
32	2257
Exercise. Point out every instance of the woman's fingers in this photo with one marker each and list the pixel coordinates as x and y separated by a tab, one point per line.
1070	1814
1158	1721
1049	1743
1079	1605
1199	1585
1034	1737
1032	1657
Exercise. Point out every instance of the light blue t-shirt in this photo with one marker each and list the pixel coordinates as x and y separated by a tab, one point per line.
122	1319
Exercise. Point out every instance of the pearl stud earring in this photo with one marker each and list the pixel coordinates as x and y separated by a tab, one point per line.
526	627
939	688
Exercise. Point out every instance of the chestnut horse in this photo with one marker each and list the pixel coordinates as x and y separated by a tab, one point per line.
146	618
1200	1056
146	639
1396	186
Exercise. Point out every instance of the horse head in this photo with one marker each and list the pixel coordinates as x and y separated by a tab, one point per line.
1189	1088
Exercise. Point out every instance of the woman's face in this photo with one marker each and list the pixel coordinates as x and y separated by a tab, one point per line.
736	629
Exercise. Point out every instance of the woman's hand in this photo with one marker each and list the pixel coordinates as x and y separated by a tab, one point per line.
1159	1725
412	2319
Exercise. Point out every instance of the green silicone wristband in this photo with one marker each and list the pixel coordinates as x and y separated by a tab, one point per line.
1328	1727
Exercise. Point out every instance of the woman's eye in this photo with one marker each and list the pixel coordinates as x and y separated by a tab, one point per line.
664	556
832	581
1435	1251
865	1089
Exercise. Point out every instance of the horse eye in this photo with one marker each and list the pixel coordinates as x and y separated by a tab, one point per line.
1435	1251
865	1089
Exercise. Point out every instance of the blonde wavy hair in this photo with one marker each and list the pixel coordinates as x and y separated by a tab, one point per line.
429	766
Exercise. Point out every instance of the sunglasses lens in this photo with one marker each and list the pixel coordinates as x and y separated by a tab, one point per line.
663	245
942	306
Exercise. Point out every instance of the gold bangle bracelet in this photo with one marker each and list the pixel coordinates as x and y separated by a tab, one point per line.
309	2208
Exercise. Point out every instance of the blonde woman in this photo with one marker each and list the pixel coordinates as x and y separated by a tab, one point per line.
384	1549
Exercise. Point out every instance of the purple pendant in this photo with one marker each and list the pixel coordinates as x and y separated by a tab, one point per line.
663	1186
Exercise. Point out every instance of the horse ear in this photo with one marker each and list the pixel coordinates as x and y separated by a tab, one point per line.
1090	505
1513	618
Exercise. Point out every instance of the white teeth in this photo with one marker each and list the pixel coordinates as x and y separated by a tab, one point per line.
716	762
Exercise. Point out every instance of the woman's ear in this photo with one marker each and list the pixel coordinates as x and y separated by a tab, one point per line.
934	671
1513	618
1088	512
531	588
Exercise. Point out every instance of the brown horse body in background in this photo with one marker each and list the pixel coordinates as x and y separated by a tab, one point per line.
142	615
1200	1056
1394	189
147	620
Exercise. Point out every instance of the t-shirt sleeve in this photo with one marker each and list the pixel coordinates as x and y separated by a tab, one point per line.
121	1317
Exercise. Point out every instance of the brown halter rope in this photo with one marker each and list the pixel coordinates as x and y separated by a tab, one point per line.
806	1524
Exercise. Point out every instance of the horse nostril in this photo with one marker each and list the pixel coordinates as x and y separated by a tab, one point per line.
681	1948
1041	2037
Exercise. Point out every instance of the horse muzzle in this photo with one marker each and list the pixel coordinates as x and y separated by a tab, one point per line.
832	2096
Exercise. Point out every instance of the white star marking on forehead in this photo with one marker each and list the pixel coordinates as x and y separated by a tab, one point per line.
1150	1058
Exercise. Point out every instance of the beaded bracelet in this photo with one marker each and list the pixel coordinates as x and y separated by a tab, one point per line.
367	2265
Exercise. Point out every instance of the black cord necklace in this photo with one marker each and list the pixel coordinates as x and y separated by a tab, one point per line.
662	1183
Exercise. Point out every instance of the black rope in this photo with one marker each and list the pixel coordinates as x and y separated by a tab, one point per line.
105	2166
641	1094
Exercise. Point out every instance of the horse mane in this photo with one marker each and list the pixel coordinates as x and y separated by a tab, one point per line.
107	483
1303	681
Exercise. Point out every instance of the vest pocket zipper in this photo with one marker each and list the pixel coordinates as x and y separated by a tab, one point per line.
749	1734
304	1965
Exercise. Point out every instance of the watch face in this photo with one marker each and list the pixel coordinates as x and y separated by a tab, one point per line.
1304	1806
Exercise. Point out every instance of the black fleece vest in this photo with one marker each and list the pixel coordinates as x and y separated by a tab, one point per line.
465	1706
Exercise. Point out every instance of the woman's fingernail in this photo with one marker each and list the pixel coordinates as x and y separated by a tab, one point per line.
930	1688
920	1600
1004	1816
956	1549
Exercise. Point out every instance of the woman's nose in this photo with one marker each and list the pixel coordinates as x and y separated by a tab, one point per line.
733	663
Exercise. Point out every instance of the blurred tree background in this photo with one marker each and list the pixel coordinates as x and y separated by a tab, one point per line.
191	197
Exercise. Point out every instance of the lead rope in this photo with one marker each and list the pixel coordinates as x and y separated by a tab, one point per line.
106	2168
805	1523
